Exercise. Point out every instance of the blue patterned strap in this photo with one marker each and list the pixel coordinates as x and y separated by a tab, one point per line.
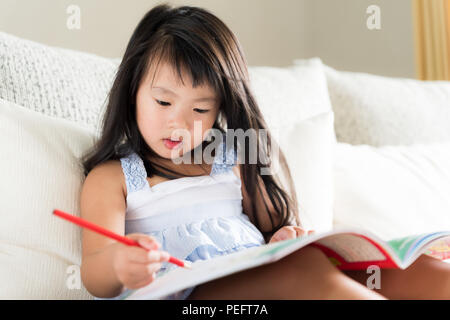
225	159
135	173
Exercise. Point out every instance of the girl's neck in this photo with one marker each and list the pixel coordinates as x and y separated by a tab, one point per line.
178	170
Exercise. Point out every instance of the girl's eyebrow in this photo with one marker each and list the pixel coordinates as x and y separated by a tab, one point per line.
174	94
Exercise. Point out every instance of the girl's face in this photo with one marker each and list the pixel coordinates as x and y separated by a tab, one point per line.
169	109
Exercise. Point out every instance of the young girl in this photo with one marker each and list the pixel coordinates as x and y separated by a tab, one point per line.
183	68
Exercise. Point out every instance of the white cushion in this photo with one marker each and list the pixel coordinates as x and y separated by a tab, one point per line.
378	111
57	82
291	94
393	191
309	150
40	171
295	104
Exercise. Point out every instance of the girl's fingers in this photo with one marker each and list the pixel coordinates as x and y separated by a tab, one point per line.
288	233
157	256
140	277
137	270
144	283
281	235
299	231
137	255
140	255
153	268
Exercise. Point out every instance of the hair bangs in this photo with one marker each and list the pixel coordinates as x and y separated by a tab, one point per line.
183	58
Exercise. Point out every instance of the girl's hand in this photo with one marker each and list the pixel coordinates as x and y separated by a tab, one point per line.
136	267
289	232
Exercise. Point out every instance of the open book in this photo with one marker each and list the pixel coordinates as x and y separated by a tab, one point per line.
348	249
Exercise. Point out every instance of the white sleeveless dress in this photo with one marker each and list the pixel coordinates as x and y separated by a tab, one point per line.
191	217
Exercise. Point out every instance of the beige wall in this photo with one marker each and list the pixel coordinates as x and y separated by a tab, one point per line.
272	32
339	35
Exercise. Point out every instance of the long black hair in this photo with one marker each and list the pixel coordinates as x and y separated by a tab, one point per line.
194	39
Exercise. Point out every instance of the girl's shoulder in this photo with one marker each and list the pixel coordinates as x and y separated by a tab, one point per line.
110	171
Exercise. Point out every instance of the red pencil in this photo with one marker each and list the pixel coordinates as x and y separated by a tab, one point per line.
91	226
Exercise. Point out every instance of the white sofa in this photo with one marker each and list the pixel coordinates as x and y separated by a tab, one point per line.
388	171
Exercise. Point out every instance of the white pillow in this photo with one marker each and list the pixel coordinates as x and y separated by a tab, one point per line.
57	82
377	111
295	104
291	94
393	191
40	171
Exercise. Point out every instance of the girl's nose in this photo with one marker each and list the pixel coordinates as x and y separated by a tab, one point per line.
178	119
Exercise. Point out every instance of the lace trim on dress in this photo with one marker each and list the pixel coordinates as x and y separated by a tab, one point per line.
135	174
224	159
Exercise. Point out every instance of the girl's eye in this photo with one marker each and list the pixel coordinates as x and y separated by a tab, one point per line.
163	103
201	110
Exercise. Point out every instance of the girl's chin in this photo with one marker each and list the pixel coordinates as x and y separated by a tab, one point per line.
171	154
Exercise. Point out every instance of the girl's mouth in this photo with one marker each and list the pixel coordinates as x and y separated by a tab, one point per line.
170	144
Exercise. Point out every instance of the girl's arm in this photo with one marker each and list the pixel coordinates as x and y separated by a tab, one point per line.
103	203
109	267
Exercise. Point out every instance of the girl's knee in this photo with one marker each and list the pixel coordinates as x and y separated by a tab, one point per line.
311	258
311	270
310	266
